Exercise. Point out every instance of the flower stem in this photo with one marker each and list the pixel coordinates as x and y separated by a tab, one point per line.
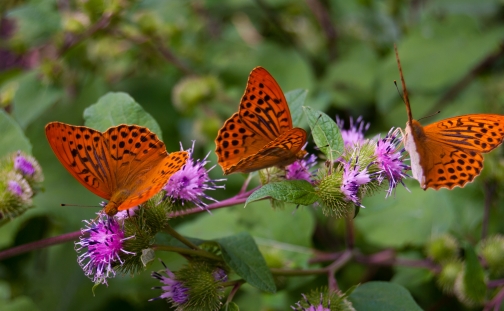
168	229
185	251
11	252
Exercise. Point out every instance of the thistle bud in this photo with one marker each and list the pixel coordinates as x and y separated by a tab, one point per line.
492	250
442	248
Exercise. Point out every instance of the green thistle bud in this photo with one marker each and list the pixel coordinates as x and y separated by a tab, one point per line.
148	220
15	195
204	283
449	274
75	22
442	248
323	300
461	292
492	250
333	201
193	91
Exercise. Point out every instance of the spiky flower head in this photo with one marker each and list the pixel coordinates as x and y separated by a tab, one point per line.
323	300
300	169
173	289
197	286
189	184
353	178
101	248
449	274
27	166
443	248
492	250
15	195
355	133
389	157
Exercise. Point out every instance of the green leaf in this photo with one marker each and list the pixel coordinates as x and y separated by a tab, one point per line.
296	100
241	253
12	138
166	239
33	98
474	276
118	108
289	191
230	306
382	296
326	133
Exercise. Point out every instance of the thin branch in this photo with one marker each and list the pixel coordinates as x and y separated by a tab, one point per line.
495	283
238	199
11	252
168	229
71	40
297	272
496	302
335	266
236	286
186	251
323	17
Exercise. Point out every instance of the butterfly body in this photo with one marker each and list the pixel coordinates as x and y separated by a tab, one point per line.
261	133
448	153
126	164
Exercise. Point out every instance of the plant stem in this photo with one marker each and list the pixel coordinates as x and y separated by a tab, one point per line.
11	252
335	266
185	251
168	229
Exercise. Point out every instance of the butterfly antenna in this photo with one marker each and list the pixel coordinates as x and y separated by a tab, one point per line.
405	90
431	115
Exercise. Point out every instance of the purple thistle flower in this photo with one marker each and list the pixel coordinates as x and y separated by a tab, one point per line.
311	307
300	168
15	188
102	248
355	134
190	183
352	180
390	161
23	165
220	275
174	290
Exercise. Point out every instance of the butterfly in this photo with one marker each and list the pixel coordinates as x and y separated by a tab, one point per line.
126	164
260	134
447	153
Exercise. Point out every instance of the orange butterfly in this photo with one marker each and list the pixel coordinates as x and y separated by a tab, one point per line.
260	134
126	164
447	153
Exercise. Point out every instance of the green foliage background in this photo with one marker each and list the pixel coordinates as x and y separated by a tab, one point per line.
186	63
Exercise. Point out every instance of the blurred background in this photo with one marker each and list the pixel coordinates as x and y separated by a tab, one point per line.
187	62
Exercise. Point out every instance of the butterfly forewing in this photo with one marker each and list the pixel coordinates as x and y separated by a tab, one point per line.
263	107
83	154
479	132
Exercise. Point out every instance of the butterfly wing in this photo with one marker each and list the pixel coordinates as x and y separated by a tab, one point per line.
139	164
263	107
282	151
449	153
82	152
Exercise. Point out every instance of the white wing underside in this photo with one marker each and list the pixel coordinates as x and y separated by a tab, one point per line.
410	146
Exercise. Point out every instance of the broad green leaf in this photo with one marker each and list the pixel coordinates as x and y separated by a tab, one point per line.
296	100
118	108
35	22
474	276
33	98
382	296
326	133
12	138
241	253
289	191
